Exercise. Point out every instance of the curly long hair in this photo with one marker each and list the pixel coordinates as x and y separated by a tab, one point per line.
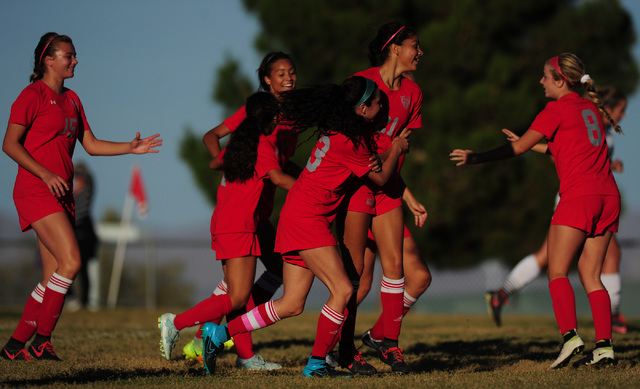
330	108
241	153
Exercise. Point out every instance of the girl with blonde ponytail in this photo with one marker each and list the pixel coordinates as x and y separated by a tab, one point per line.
588	212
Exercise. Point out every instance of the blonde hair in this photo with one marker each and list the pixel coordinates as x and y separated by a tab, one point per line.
574	73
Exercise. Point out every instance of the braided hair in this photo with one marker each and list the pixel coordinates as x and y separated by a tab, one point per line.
574	72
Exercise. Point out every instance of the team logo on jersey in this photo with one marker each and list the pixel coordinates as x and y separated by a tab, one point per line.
53	102
406	101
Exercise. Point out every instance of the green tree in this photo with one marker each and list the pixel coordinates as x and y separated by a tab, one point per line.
480	73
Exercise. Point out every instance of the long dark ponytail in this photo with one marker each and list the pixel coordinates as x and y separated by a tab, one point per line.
241	153
330	108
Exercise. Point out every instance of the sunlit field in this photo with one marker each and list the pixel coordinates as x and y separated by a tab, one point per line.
120	347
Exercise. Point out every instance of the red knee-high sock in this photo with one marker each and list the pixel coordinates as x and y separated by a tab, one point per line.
601	311
52	303
328	326
210	309
243	342
219	290
28	323
564	304
377	331
259	317
391	296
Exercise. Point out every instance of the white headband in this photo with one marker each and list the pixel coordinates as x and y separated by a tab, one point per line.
585	78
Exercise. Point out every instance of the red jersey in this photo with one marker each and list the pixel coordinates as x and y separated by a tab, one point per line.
52	123
237	202
312	203
404	108
282	143
574	130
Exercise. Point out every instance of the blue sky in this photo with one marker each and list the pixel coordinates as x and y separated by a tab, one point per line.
149	66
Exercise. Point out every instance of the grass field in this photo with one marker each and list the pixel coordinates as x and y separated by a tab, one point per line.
120	348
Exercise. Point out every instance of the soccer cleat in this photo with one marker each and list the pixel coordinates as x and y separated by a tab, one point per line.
619	324
20	355
213	337
601	356
257	363
572	345
331	359
317	367
193	350
369	341
43	352
229	344
496	299
169	335
356	364
392	356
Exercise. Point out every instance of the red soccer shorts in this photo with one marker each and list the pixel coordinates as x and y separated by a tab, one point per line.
593	214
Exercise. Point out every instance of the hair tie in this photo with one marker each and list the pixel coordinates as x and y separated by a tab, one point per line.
585	78
371	86
46	46
390	39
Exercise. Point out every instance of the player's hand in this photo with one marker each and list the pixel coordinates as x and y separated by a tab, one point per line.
510	135
616	166
460	155
145	145
57	186
418	210
376	163
402	140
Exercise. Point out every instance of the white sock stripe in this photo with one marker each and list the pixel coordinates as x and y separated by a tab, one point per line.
332	315
59	284
271	311
220	289
388	285
38	293
251	317
408	301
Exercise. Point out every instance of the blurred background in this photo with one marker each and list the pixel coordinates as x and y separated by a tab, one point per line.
180	68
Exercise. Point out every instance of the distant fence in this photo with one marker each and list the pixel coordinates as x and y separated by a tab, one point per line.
187	273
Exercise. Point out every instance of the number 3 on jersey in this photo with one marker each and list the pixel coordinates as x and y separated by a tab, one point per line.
593	127
318	154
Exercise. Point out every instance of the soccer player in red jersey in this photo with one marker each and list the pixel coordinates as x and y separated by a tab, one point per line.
589	209
246	163
394	53
45	122
276	74
343	115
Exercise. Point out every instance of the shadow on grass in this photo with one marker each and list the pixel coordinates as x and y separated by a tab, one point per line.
88	376
479	356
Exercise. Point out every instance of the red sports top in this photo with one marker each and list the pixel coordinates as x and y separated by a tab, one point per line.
52	123
574	130
404	108
283	142
237	202
316	195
